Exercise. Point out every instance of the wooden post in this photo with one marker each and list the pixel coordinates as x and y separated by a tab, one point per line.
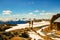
31	23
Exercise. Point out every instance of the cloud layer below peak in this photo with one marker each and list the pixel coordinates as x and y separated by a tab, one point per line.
6	12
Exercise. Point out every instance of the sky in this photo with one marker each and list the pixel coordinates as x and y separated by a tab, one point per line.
28	8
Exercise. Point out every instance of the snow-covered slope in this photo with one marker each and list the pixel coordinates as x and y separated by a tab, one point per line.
35	24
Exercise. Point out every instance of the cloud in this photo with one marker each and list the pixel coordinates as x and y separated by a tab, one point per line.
6	11
47	15
7	19
36	11
30	13
42	15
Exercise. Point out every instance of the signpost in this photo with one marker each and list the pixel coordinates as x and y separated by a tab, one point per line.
31	23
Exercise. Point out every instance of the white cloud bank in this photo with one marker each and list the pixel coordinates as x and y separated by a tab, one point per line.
6	12
35	14
43	14
28	16
47	15
8	19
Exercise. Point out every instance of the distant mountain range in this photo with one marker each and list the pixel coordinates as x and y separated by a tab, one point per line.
13	22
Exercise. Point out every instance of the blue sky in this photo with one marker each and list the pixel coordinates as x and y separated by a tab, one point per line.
33	8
